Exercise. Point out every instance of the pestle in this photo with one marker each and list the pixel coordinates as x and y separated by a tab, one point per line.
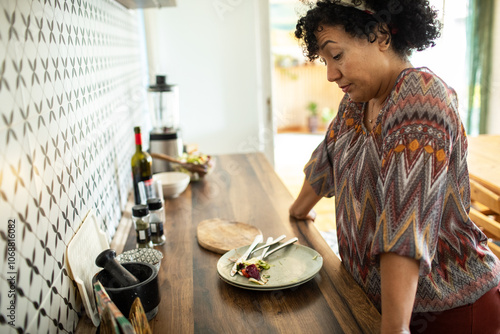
107	261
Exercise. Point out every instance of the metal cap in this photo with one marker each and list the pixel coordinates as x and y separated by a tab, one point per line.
154	204
140	210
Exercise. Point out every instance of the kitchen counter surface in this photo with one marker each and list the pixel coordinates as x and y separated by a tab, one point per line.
194	299
484	161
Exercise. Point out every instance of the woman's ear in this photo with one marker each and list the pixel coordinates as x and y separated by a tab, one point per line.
384	37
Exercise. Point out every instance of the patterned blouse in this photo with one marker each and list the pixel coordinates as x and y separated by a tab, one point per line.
404	188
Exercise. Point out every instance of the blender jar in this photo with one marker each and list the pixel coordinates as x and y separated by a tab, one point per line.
165	116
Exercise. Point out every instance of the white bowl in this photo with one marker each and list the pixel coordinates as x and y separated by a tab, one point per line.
172	183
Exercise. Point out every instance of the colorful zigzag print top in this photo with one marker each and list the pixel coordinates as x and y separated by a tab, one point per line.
404	188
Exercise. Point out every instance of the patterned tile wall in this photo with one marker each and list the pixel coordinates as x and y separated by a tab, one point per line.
72	78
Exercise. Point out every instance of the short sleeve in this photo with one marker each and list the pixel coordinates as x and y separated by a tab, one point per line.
413	179
319	170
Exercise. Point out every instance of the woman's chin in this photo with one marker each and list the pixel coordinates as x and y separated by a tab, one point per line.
357	98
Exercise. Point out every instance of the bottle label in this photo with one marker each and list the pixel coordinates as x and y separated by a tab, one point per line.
149	188
153	228
143	236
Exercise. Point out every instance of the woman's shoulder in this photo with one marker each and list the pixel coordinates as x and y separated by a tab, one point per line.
422	82
420	93
422	102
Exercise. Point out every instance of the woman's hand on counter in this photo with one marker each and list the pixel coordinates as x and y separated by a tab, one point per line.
311	215
302	207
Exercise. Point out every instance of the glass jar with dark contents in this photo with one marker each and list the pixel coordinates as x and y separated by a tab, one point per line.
156	219
140	217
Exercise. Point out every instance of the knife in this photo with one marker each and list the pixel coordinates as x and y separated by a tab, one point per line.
289	242
257	240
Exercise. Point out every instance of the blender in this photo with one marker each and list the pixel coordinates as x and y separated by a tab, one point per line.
165	136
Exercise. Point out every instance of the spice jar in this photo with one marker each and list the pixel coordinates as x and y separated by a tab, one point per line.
156	218
140	217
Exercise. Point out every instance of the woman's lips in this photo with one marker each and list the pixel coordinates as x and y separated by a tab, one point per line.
345	88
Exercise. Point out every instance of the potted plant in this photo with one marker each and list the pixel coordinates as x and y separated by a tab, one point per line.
313	118
327	116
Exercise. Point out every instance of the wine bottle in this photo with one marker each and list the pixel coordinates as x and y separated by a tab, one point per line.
141	168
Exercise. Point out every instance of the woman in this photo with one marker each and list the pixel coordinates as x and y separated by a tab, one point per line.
394	157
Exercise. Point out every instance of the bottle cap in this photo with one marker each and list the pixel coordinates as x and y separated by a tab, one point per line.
154	204
140	210
161	85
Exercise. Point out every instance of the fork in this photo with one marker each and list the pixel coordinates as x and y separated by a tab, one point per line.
268	243
289	242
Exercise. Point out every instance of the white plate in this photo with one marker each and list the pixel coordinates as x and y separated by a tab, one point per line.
291	266
257	287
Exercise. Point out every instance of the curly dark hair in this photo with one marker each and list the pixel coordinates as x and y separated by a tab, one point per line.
410	24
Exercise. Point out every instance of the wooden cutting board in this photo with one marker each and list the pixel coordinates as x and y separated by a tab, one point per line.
220	235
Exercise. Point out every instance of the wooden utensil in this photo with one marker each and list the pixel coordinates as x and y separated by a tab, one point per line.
138	318
108	323
221	235
202	170
112	317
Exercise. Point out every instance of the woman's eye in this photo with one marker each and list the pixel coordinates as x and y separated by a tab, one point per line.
338	56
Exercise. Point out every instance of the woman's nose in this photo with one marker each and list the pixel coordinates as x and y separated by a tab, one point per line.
332	73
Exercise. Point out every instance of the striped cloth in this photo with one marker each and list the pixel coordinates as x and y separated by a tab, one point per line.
404	188
112	319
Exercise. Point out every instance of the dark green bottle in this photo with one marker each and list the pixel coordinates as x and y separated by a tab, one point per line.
141	167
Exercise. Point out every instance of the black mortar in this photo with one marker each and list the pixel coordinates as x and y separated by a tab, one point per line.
123	297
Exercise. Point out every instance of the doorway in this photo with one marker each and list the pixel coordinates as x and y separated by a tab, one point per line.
304	102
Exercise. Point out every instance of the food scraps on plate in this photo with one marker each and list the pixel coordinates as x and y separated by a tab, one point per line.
252	269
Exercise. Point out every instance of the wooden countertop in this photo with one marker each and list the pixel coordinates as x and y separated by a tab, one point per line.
484	161
194	300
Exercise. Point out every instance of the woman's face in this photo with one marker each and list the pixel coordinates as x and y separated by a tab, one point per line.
354	64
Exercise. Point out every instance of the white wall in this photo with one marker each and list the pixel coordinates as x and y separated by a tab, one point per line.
493	126
212	51
448	59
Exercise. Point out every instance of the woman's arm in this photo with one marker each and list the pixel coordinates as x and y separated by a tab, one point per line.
399	275
302	207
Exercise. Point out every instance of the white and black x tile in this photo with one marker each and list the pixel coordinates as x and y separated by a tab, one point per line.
72	87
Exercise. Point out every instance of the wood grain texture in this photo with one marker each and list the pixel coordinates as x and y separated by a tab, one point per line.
485	196
484	161
222	235
490	226
245	188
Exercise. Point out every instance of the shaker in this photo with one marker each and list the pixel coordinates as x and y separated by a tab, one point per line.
156	219
140	217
